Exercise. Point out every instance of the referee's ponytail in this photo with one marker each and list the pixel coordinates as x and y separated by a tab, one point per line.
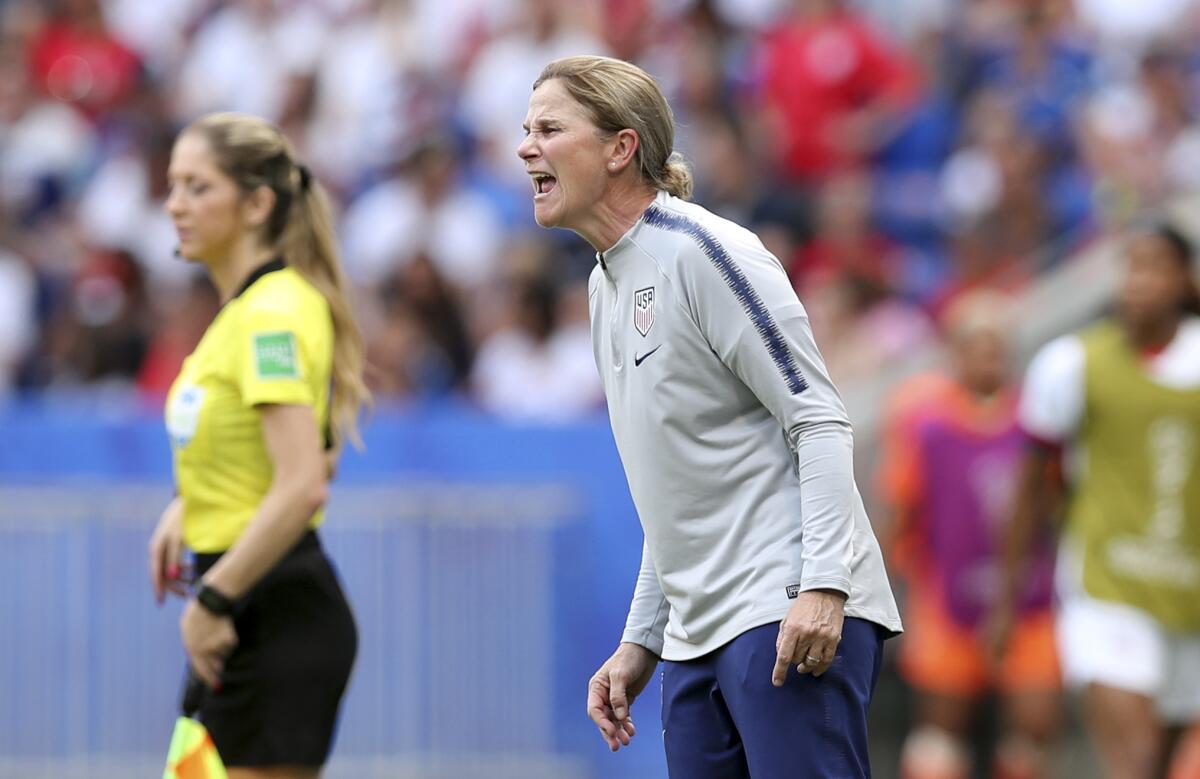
620	96
255	153
310	247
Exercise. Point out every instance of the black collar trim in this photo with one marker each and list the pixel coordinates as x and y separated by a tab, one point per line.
262	270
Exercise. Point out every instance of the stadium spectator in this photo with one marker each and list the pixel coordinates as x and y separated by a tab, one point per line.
536	369
107	332
845	240
75	59
48	144
861	327
120	207
495	88
252	56
833	89
421	347
424	207
370	92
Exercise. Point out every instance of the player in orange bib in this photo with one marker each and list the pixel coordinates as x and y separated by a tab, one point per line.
949	470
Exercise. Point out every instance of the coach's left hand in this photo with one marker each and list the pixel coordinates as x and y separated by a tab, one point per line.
809	634
208	640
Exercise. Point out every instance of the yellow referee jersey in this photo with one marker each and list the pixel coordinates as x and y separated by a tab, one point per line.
272	343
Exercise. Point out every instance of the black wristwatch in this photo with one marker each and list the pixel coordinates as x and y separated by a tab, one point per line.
215	601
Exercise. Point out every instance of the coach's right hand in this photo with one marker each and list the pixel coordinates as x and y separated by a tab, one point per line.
614	687
166	552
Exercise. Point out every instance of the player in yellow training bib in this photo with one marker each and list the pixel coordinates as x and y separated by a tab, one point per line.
1123	398
255	418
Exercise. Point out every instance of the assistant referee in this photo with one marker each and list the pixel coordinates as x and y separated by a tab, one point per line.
255	419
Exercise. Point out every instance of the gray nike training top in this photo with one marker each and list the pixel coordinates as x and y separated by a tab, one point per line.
736	445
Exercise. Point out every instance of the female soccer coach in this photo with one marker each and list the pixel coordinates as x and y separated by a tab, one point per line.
273	384
762	585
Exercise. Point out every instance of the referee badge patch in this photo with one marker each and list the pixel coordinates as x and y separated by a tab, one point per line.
275	356
643	310
183	414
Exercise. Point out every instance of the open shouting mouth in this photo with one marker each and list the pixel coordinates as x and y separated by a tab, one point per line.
543	184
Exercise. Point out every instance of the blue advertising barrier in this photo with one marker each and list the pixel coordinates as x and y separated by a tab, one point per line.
490	567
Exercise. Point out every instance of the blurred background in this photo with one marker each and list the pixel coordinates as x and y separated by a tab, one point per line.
894	154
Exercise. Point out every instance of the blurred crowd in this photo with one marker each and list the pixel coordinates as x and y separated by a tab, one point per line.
893	154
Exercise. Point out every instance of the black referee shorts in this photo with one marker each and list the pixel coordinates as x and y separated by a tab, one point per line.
280	692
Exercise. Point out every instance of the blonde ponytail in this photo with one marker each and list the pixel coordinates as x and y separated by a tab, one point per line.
676	177
309	246
255	153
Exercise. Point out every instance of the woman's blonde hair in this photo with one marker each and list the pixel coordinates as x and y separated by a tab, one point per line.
255	153
619	96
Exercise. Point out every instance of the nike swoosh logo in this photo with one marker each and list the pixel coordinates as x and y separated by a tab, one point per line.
638	360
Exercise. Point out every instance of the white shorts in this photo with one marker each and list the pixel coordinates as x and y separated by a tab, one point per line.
1124	647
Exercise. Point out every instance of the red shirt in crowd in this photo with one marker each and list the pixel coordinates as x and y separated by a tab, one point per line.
819	72
83	64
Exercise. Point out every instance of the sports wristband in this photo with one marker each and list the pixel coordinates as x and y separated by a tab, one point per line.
215	601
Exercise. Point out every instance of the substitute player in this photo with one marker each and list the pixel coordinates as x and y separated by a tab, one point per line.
254	418
1123	397
762	585
950	468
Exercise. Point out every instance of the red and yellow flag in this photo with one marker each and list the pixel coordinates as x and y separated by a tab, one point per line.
192	754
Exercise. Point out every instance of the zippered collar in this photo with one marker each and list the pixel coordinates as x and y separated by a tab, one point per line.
622	245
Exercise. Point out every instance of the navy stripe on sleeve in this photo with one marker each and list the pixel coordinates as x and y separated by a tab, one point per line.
737	282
